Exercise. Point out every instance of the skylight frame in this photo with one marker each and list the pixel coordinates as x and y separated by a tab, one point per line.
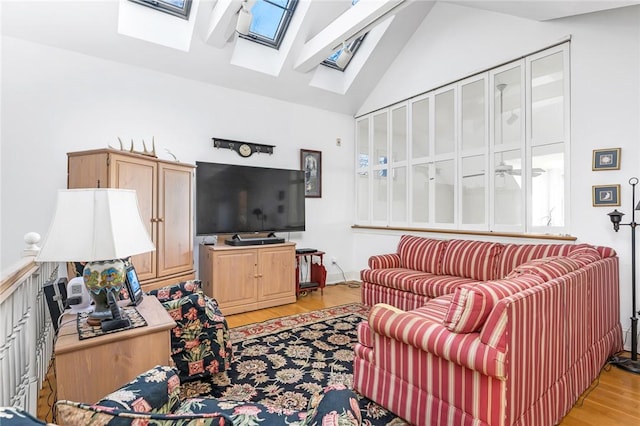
282	26
168	6
353	47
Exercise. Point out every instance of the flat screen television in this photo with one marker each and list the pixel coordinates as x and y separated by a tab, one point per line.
234	199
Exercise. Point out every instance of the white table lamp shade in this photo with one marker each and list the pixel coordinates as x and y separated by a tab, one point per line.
95	224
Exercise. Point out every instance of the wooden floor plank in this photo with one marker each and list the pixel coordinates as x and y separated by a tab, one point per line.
612	400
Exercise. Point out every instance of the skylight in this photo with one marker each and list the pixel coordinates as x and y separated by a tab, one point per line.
270	21
341	58
334	60
178	8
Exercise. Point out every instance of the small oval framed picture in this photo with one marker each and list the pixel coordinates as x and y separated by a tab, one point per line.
606	195
606	159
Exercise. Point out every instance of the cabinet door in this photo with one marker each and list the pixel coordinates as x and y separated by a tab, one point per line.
175	237
233	283
87	171
276	273
140	175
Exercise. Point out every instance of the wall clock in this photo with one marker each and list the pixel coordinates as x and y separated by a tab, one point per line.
244	149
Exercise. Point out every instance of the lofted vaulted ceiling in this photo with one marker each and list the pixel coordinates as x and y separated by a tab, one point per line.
205	48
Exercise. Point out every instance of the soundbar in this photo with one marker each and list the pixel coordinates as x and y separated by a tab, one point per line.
237	241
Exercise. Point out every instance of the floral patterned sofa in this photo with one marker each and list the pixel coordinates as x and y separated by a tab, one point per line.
200	342
154	398
468	332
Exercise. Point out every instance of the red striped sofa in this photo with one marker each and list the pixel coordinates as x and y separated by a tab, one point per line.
481	333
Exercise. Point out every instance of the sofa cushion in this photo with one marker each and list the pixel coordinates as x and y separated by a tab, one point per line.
471	304
436	309
177	291
398	278
548	268
585	254
437	285
420	254
471	259
514	255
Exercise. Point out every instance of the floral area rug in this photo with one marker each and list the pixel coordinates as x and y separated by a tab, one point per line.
284	361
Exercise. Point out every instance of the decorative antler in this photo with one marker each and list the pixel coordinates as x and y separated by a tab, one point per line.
131	149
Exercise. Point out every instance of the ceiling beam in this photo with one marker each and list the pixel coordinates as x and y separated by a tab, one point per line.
222	22
353	23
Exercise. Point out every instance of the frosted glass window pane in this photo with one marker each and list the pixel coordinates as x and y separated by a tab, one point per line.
420	128
445	123
547	185
363	197
420	193
508	92
399	135
363	136
380	136
473	113
547	92
508	188
444	191
473	190
380	196
399	194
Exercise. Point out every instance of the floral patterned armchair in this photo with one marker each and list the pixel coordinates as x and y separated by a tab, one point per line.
200	342
153	398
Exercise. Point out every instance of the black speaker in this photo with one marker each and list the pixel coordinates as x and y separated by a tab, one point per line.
55	291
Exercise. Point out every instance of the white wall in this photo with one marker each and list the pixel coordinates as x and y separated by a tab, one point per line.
454	42
55	101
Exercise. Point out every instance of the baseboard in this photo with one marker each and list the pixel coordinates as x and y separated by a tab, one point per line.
626	338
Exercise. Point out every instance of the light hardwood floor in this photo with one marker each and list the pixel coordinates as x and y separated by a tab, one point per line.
612	400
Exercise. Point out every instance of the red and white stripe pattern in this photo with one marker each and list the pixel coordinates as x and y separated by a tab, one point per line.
421	254
471	259
514	255
548	268
538	350
471	304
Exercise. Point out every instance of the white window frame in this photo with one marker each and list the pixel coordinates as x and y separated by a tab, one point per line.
524	145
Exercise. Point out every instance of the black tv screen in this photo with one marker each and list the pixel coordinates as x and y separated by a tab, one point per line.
233	199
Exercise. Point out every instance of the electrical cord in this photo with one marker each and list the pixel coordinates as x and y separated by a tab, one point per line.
350	284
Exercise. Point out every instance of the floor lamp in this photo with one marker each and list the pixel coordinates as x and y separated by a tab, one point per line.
630	364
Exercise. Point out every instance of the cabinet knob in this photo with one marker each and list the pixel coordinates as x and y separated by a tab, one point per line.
160	219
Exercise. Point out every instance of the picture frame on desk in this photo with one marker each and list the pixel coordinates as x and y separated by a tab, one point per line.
133	286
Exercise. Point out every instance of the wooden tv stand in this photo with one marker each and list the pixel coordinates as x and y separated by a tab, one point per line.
247	278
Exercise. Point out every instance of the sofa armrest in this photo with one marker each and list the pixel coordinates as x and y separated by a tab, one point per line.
154	391
384	261
13	416
337	405
411	329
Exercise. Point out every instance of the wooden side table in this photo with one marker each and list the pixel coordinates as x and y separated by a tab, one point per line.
87	370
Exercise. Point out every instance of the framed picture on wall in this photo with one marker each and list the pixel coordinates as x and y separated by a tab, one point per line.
606	195
606	159
311	163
